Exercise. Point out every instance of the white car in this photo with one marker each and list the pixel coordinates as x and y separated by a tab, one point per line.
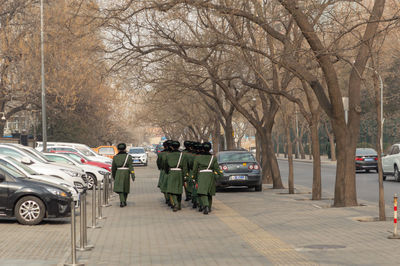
391	162
28	172
93	173
42	165
80	148
139	155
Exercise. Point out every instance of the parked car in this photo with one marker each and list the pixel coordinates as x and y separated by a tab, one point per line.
366	159
94	174
239	169
108	151
79	148
139	155
37	162
26	171
391	162
81	158
31	201
158	149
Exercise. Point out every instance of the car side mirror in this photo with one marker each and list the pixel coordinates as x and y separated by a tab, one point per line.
26	160
83	160
2	177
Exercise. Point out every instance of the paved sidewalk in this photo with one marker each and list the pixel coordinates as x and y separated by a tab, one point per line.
245	227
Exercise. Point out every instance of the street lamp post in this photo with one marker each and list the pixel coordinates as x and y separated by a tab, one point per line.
382	119
44	119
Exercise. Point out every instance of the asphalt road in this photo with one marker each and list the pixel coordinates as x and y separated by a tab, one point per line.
367	183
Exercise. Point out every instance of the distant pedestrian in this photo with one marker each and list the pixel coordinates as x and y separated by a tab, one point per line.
122	170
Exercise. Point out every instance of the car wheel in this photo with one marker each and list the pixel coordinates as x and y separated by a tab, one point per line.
396	174
377	170
258	187
367	170
384	178
29	210
91	180
145	164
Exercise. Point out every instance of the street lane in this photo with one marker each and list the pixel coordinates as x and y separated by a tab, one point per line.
367	183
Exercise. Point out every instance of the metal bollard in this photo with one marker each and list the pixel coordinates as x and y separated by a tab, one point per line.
85	241
73	238
94	225
82	225
105	191
395	235
100	212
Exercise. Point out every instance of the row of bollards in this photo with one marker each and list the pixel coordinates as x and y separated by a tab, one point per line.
96	207
395	234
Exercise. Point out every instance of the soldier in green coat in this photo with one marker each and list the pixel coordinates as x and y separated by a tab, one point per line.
188	183
163	174
206	170
176	168
196	151
122	170
160	161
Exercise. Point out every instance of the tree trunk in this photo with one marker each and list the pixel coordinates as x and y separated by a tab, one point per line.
216	135
2	125
302	152
316	187
277	145
272	161
290	159
230	141
309	145
258	147
333	147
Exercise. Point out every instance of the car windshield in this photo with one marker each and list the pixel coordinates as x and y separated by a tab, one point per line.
137	150
22	166
75	157
36	155
12	172
235	157
86	151
364	152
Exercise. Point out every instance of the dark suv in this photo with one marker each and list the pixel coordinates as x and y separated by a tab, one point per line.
239	169
30	201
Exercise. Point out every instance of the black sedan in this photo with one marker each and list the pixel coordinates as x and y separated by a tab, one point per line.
366	159
30	201
239	169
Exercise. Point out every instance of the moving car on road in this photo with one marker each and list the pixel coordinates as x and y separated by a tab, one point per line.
31	201
239	169
366	159
139	155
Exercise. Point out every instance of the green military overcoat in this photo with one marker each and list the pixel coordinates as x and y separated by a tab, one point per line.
206	180
188	177
163	176
175	177
160	167
122	176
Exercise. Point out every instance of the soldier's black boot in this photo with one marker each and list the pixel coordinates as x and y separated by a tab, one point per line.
175	209
194	205
200	208
205	210
121	204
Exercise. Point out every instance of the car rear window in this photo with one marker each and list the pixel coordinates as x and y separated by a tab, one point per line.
107	150
235	157
137	150
364	152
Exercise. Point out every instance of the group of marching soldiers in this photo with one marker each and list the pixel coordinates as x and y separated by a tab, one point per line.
194	170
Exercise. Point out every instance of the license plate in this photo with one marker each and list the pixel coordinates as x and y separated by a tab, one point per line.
237	177
136	161
369	159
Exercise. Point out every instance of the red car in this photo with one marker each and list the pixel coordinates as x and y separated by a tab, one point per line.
81	158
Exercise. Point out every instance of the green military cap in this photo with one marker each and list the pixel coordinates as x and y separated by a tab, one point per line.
121	146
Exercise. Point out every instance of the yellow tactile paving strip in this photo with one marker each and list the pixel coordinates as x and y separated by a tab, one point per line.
274	249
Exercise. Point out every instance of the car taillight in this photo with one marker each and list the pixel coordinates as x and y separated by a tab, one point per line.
359	159
376	158
253	167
